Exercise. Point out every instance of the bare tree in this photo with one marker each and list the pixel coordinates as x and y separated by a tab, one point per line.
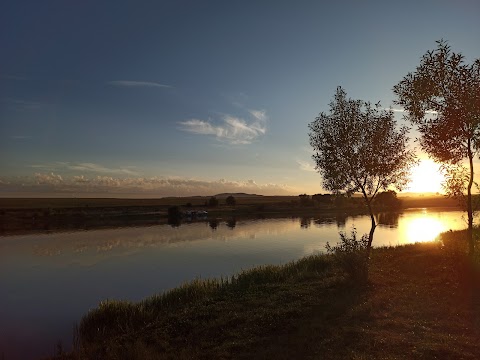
442	97
358	148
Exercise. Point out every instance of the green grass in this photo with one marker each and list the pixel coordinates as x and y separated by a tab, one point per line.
422	301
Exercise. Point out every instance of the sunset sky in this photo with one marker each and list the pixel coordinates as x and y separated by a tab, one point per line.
162	98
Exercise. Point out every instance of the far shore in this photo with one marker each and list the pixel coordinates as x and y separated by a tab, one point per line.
26	215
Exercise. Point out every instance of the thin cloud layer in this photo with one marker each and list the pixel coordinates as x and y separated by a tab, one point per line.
50	183
129	83
84	167
431	112
306	166
233	129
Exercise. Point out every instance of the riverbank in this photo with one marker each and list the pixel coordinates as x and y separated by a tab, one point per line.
422	301
23	216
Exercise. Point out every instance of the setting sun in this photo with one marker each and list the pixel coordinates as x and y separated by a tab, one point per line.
426	177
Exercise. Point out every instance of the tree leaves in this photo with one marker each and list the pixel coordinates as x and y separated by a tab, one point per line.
358	147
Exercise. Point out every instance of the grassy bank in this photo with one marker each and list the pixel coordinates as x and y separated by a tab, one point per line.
422	302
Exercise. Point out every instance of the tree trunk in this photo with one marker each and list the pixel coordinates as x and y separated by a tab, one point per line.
370	235
471	243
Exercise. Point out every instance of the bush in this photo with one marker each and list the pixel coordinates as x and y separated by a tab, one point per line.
213	202
351	255
230	201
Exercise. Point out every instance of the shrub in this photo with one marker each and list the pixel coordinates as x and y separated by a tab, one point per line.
213	202
230	201
351	255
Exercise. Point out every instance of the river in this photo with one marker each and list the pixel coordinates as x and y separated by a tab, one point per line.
49	280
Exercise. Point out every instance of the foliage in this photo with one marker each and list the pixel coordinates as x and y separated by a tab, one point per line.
351	254
387	200
359	149
442	97
213	202
323	198
305	200
230	200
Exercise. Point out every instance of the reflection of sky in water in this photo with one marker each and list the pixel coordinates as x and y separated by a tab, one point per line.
49	280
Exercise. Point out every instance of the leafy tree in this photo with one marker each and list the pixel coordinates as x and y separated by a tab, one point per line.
230	200
442	97
387	200
359	149
213	202
305	200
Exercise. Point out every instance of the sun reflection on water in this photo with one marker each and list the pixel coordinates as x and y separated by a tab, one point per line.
425	227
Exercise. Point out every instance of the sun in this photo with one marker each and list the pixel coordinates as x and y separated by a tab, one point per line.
426	177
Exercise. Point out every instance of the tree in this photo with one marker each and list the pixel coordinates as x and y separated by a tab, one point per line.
359	149
387	200
230	200
213	202
442	97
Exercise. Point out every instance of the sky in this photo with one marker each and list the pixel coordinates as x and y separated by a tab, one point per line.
178	98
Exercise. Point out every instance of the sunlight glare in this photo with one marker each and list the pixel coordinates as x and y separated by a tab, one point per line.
423	229
426	177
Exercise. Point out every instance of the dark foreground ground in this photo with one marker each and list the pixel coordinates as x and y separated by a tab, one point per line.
421	302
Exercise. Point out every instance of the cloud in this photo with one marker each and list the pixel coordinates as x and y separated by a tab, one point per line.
85	167
48	179
129	83
100	169
52	183
433	112
306	166
260	115
232	129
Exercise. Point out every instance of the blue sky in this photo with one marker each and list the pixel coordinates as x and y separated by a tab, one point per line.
159	98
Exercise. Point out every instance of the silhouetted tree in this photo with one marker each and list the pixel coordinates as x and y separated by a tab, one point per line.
359	149
213	202
387	200
305	200
322	198
442	97
230	200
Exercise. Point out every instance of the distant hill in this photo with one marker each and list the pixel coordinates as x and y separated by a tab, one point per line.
237	195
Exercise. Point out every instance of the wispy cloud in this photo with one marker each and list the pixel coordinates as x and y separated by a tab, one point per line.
85	167
306	166
129	83
433	112
232	129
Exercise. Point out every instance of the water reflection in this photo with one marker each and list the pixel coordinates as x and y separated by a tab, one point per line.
388	219
305	222
59	276
231	223
426	226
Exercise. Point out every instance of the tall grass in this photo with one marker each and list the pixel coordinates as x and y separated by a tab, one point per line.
115	318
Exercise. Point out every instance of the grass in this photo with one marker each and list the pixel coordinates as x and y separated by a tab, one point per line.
422	301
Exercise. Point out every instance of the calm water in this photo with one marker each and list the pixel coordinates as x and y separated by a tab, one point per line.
48	281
